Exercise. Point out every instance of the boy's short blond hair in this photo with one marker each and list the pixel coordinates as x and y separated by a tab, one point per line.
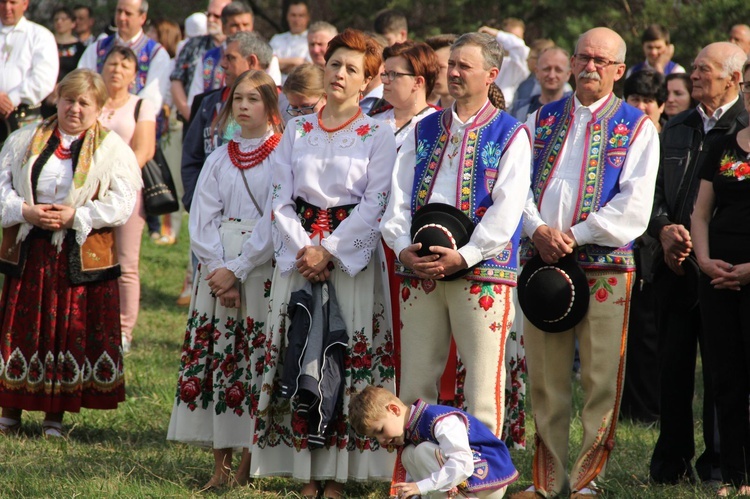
368	405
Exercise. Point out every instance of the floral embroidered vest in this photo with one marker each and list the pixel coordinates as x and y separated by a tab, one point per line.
608	137
492	464
484	143
213	73
144	49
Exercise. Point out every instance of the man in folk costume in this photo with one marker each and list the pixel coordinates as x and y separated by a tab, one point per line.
595	165
475	158
152	73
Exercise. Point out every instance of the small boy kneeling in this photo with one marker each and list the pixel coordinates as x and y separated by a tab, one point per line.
447	452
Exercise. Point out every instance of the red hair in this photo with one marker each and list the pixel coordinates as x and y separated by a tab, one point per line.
420	58
356	40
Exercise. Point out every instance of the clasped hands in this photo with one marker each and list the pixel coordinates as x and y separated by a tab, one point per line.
312	263
442	262
49	216
553	244
222	284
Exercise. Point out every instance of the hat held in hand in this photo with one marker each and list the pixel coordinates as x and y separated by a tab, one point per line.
553	297
440	224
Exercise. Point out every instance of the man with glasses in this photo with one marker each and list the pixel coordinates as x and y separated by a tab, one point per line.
192	53
687	140
594	169
475	158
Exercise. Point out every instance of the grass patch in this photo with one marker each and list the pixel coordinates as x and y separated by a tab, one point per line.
124	453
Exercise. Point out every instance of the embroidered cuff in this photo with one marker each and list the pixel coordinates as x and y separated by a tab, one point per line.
82	224
12	212
240	268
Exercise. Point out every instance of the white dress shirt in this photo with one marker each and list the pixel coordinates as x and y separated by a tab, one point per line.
499	222
626	215
157	79
710	121
28	62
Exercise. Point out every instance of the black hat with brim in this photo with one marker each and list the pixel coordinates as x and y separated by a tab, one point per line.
440	224
553	297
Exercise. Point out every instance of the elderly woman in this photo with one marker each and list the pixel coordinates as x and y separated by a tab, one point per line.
330	187
409	77
63	185
721	240
134	120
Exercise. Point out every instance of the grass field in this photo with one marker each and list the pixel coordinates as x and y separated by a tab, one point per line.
124	453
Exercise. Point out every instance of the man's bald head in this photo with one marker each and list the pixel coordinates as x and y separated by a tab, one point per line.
717	71
608	36
598	63
740	36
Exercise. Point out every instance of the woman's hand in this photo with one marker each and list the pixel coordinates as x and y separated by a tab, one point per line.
406	489
312	261
720	273
221	280
741	273
49	216
230	299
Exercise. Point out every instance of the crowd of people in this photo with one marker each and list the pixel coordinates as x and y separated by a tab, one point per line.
389	239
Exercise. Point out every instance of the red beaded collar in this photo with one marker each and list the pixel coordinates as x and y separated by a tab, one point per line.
245	160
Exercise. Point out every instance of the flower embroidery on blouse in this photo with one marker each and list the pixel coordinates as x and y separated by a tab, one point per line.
364	131
731	168
304	127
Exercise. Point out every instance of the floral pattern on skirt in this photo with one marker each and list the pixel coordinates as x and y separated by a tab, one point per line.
280	444
222	357
59	343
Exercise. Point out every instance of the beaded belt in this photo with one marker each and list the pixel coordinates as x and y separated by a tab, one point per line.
319	221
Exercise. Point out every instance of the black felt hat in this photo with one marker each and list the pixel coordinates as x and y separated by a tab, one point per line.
553	297
440	224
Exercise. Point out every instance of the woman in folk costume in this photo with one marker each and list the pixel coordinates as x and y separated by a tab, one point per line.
331	185
230	230
63	185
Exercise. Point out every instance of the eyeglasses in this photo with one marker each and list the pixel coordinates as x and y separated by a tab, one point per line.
745	87
303	110
211	14
392	75
599	63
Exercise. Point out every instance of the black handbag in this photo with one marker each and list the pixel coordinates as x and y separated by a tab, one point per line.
159	192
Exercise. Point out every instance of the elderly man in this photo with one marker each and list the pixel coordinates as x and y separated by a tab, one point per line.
192	53
245	50
740	36
595	164
152	76
476	158
318	35
552	70
28	66
688	140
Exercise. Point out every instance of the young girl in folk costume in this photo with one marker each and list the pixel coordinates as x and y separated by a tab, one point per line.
230	231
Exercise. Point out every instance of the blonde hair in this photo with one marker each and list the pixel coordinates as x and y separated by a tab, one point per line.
268	94
368	405
80	81
306	80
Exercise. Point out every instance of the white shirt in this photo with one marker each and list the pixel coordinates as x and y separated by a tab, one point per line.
407	129
353	165
286	45
28	62
221	193
626	215
453	440
710	121
499	222
514	68
675	69
157	79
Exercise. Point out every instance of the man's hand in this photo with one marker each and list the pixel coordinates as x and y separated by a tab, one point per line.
489	30
676	243
425	267
664	57
552	244
450	261
6	106
406	489
221	280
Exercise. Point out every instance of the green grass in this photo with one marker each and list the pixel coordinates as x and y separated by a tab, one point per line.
124	453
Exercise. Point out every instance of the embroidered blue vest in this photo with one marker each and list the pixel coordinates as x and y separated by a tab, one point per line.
213	73
493	467
608	137
144	49
484	143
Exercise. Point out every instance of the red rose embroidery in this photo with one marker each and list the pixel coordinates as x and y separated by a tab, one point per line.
190	389
229	365
743	170
486	302
475	289
235	395
363	130
621	129
307	127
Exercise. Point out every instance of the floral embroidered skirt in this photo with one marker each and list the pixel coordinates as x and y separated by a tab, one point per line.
222	357
59	343
280	445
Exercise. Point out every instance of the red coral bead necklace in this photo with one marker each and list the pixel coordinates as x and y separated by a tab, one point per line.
245	160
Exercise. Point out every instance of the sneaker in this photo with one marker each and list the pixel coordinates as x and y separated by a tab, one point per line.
125	345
